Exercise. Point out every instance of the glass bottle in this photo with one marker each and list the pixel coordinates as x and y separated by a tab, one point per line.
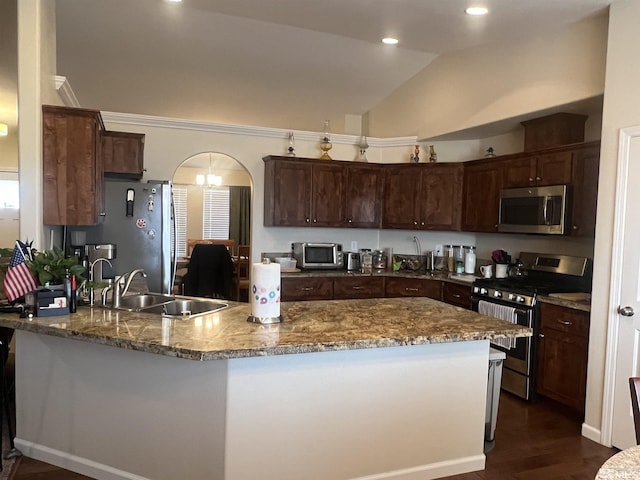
451	261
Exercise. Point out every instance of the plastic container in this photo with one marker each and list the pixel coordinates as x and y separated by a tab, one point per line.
286	263
470	259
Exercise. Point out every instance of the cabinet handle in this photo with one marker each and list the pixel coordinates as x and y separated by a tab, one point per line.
411	289
350	220
422	224
357	287
415	223
575	227
538	178
564	322
306	289
315	220
530	179
308	220
456	295
541	335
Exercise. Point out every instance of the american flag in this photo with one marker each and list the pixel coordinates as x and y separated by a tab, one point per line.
19	279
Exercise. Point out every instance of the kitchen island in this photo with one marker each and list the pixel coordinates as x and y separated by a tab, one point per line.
357	389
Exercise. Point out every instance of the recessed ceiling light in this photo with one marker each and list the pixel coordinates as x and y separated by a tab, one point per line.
476	11
174	1
390	41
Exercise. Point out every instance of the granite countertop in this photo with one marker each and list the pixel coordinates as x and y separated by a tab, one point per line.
308	327
578	304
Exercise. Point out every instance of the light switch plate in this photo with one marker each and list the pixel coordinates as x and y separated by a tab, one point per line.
438	250
354	246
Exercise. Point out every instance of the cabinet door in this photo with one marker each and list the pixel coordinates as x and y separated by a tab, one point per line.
123	154
72	166
562	355
482	184
327	195
413	287
287	193
358	287
364	189
519	172
586	163
306	288
455	294
401	206
553	168
442	197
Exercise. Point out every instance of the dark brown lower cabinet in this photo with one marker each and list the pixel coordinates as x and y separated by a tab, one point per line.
456	294
562	355
413	287
358	287
296	289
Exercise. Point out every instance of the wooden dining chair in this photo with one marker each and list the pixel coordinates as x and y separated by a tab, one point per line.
634	385
192	242
243	271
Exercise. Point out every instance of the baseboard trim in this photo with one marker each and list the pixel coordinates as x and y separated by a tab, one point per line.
593	433
93	469
73	463
432	470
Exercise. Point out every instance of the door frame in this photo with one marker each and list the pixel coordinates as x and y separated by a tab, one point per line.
624	151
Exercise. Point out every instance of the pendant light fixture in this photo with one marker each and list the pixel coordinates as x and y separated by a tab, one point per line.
212	179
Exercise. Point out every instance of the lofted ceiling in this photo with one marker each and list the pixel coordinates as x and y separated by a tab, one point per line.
287	64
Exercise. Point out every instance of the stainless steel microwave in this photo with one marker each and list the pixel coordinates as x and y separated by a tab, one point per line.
543	210
318	255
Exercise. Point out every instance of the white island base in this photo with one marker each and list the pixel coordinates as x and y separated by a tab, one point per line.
402	413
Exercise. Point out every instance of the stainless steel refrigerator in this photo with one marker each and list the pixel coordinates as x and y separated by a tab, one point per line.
138	220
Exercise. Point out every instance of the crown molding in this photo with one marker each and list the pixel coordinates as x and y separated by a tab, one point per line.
246	130
66	92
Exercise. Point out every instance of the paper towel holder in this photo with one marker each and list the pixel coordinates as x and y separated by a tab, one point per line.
265	320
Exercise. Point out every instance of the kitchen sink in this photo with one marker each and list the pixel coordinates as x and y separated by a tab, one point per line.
169	305
184	307
143	300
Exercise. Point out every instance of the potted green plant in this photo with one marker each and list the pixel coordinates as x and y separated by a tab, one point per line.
51	267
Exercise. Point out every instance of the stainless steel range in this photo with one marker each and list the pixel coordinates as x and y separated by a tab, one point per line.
515	299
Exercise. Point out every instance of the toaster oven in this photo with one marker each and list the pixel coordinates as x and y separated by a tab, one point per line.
321	256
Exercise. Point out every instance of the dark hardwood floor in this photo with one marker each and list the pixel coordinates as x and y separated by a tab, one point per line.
533	441
539	440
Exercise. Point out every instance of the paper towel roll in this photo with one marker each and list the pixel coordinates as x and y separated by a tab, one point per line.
265	290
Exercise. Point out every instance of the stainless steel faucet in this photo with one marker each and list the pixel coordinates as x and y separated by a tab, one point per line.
119	292
91	275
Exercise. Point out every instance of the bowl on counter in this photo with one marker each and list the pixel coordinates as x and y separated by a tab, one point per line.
286	263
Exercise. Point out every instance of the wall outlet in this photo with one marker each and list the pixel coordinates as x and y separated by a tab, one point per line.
438	250
354	246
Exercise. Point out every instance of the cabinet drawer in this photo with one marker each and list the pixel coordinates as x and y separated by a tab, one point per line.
454	294
297	289
413	287
358	287
562	319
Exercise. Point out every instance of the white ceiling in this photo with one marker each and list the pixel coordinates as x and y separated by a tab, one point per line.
279	63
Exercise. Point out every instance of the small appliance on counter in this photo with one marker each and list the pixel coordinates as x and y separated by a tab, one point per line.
352	261
318	256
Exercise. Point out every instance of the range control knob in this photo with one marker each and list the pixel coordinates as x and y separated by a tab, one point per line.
512	297
476	289
520	299
483	291
497	294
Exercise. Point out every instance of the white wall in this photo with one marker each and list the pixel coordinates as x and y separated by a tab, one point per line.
621	109
495	82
